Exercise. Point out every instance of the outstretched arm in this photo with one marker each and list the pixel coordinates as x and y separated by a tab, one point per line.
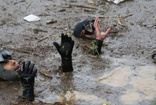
100	36
65	50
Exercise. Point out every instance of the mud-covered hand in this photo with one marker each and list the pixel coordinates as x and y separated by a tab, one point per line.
65	50
27	76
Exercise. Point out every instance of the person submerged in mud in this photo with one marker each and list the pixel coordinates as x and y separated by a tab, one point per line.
90	29
10	70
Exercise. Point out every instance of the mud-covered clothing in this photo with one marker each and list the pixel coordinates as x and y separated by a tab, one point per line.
4	74
96	47
8	75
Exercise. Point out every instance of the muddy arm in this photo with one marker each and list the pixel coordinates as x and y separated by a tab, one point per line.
65	50
96	47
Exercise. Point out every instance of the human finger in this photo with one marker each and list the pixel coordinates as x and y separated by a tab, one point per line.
27	67
107	31
56	45
31	68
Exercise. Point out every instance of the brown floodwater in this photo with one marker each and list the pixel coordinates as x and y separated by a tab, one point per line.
124	74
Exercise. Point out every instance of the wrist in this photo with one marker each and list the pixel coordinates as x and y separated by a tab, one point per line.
28	94
28	90
96	47
67	64
99	38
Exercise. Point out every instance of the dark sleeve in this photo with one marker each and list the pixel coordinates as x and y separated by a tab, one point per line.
67	65
8	75
96	47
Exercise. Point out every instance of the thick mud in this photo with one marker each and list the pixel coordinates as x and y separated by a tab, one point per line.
124	74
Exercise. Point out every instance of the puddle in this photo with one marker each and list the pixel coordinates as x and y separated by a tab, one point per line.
143	86
117	78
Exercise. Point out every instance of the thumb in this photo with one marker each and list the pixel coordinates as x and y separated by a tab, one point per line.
57	46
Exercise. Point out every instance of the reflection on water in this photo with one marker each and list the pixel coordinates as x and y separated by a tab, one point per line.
143	84
119	77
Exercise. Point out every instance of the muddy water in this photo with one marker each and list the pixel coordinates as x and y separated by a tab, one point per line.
123	75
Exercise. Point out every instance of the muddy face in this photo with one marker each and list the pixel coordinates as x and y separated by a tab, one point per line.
11	65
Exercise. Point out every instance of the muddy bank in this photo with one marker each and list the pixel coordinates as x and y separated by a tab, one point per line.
122	75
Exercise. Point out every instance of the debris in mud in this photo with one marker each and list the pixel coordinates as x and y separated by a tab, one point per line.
20	1
51	21
88	10
46	75
43	39
123	17
91	2
47	37
62	10
36	31
31	18
118	18
81	6
116	1
28	7
44	14
26	51
120	22
52	36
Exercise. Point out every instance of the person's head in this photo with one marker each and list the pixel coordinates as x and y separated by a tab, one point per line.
85	29
7	63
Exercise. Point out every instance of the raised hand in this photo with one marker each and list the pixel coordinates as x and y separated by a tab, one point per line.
27	76
65	50
100	35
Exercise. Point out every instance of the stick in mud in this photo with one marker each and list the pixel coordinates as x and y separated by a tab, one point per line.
52	36
46	75
47	37
28	7
123	17
20	1
82	6
24	51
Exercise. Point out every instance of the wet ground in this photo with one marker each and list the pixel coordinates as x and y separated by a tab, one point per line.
124	74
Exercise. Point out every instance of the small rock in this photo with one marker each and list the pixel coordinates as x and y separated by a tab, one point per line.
51	21
66	29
